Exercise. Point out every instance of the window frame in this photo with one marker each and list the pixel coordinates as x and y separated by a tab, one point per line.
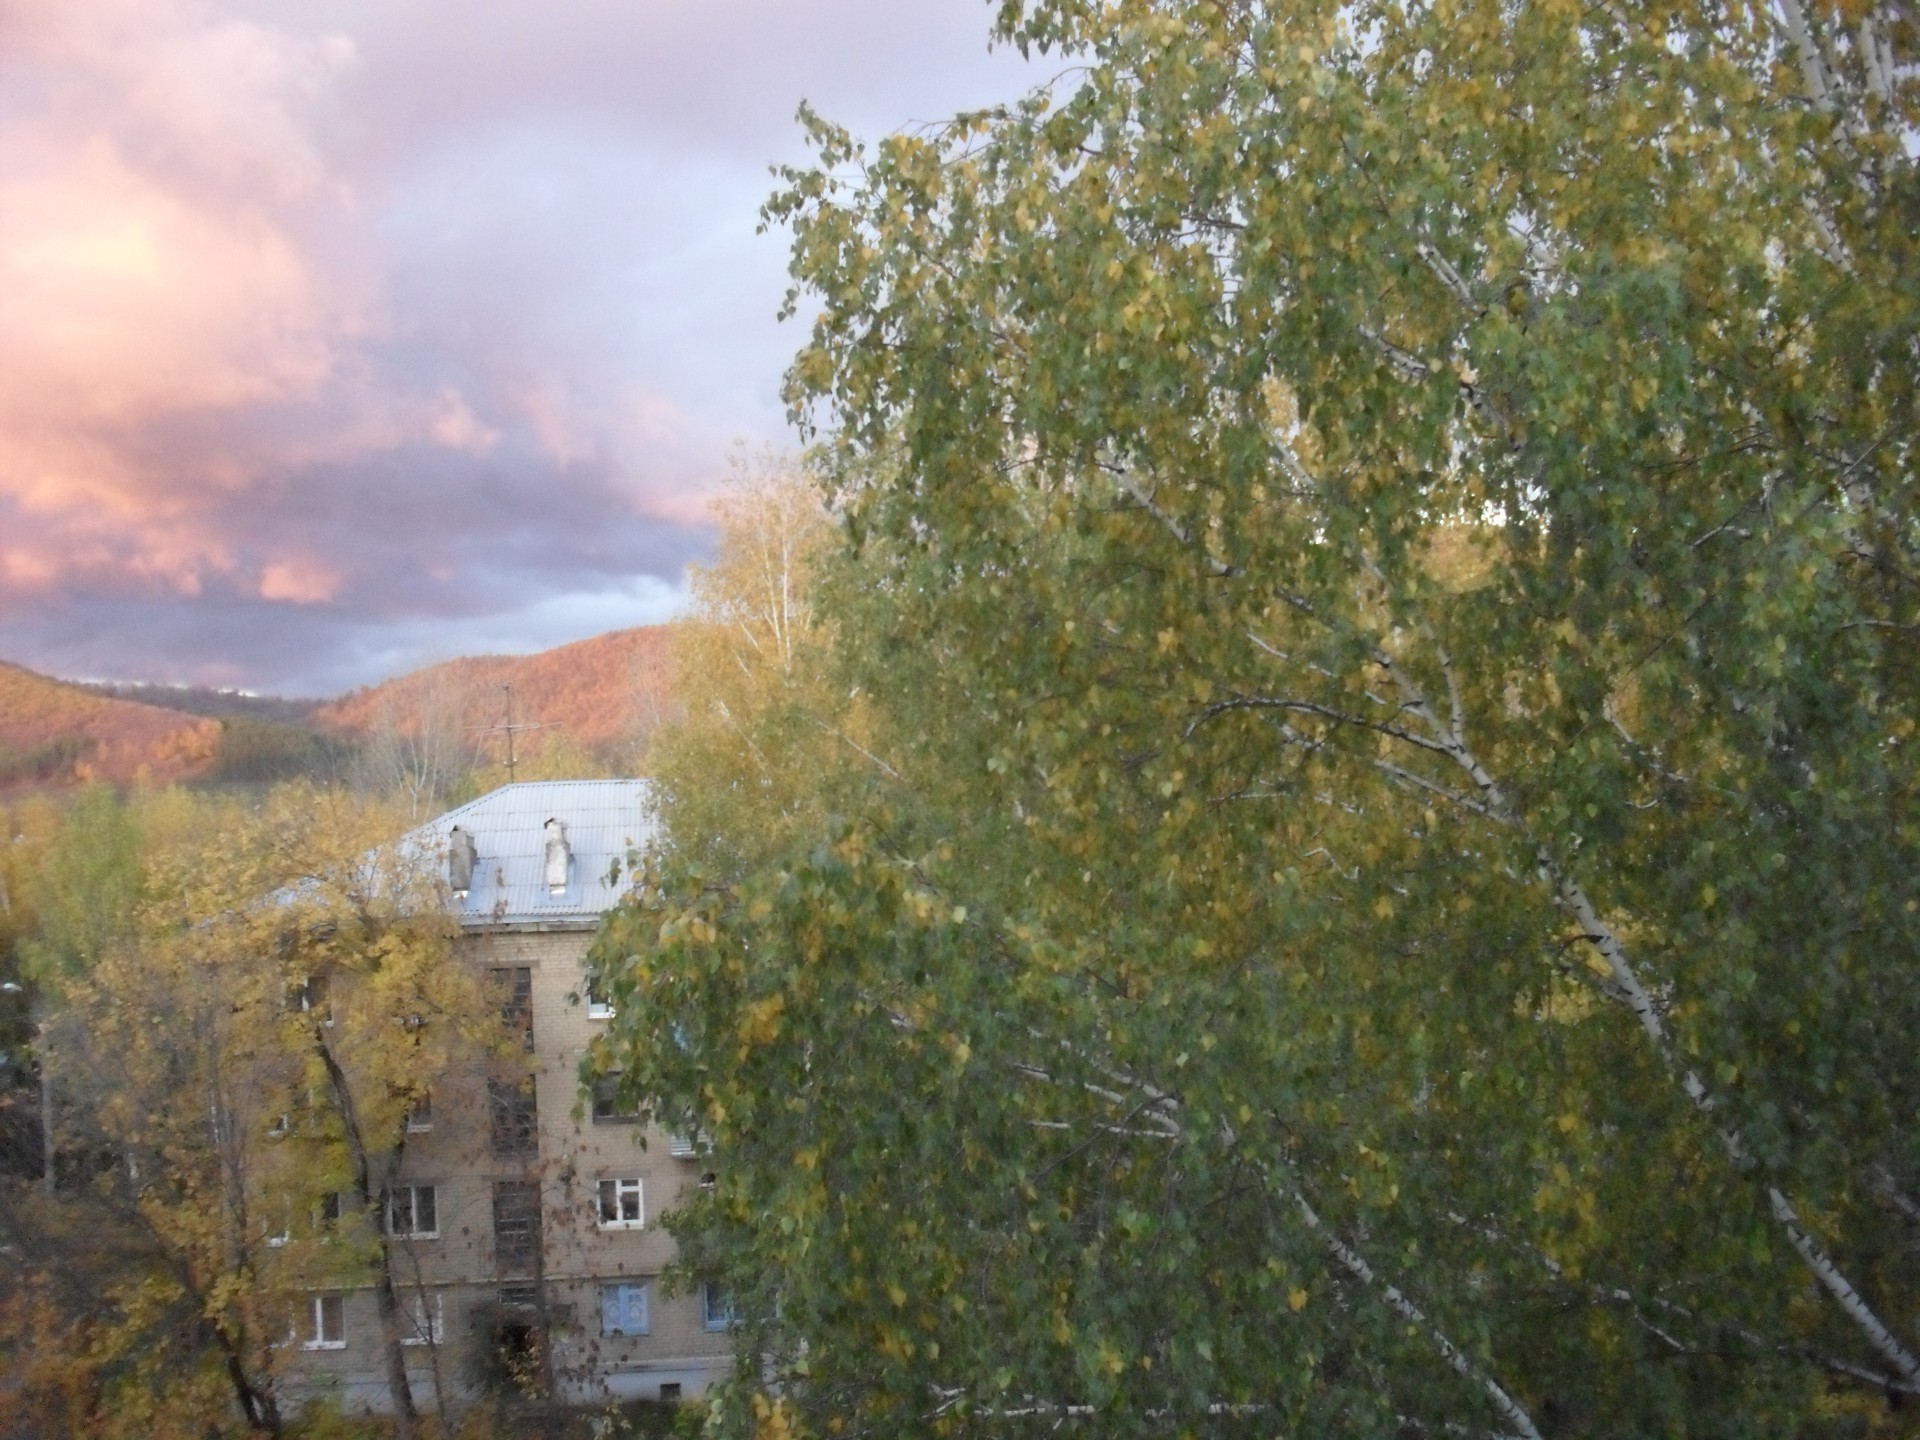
513	1118
713	1319
316	1337
606	1094
623	1188
626	1288
514	990
426	1317
598	1006
413	1195
315	993
517	1219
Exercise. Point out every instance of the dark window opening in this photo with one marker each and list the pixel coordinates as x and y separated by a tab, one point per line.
608	1106
515	984
516	1224
514	1112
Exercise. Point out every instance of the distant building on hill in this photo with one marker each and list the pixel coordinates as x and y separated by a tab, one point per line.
515	1219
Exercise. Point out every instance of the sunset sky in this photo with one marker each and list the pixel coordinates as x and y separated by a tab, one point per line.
339	336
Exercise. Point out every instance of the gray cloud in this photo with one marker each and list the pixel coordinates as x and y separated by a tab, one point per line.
369	332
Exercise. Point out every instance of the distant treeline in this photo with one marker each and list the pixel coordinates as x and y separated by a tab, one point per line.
39	764
264	752
205	700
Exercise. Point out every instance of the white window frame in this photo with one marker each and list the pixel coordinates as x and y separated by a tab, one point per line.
626	1289
420	1114
317	1337
598	1006
711	1318
620	1189
426	1320
412	1194
316	994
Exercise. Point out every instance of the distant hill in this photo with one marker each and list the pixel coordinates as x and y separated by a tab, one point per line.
604	694
204	700
55	734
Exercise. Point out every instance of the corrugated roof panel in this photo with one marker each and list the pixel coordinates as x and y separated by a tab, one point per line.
605	819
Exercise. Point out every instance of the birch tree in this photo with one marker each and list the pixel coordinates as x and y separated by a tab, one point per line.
1382	538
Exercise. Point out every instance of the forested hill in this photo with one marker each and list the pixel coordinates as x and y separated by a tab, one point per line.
53	734
601	693
599	698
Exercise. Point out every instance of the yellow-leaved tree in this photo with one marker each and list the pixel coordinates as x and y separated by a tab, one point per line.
243	1063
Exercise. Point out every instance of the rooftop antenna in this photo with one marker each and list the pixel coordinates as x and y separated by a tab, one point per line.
508	728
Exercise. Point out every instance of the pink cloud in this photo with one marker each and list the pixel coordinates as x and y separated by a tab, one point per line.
300	580
155	213
351	319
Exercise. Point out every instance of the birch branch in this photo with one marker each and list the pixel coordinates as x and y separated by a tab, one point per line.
1573	899
1355	1264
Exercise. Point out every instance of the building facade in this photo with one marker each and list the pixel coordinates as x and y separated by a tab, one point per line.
524	1206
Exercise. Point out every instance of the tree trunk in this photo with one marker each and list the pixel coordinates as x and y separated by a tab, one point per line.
46	1106
372	1192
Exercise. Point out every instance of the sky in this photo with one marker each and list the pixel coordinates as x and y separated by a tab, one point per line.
342	336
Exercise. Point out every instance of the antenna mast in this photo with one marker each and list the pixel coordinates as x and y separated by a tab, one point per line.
509	729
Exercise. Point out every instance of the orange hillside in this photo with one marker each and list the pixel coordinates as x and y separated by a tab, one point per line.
605	693
52	733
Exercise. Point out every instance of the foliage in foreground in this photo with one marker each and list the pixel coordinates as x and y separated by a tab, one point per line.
1377	893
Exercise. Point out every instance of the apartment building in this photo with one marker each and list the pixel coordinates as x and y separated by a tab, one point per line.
524	1206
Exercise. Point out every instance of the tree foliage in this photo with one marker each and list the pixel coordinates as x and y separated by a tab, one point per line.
237	1041
1380	543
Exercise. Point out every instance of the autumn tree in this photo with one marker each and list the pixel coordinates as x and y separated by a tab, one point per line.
767	717
419	746
243	1058
1382	540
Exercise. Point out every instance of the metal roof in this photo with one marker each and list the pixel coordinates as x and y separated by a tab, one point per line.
605	819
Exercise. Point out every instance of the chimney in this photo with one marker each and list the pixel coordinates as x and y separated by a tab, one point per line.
559	857
461	855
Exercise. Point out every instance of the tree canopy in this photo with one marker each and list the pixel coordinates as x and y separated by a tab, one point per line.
1380	893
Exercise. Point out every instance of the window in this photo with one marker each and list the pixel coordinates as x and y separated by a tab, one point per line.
608	1107
413	1212
304	1117
515	986
327	1212
312	998
623	1309
599	1007
515	1117
621	1207
420	1115
516	1223
682	1146
716	1308
670	1392
327	1323
425	1320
